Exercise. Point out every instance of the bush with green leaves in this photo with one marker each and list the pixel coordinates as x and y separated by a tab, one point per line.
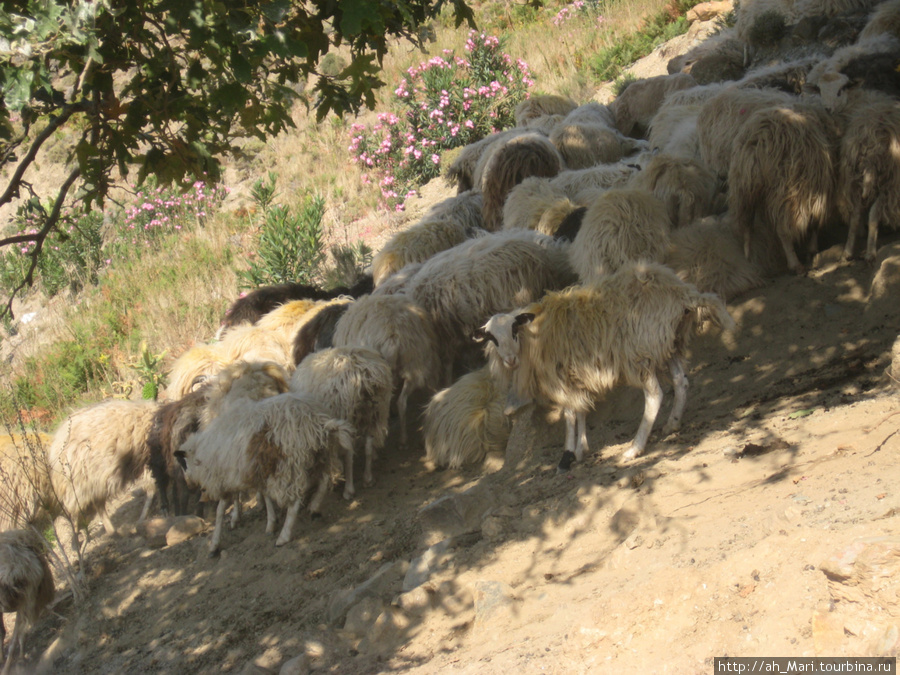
446	102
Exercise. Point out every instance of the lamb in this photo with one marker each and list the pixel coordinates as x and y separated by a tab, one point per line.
588	137
620	226
466	421
508	163
96	452
535	204
354	384
573	346
641	100
782	175
685	186
538	106
26	585
869	169
256	304
462	287
404	335
24	479
287	446
428	237
318	332
722	116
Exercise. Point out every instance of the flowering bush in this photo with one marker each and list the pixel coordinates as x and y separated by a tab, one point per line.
445	102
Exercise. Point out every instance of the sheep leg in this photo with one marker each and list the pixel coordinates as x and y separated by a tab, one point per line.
653	397
679	379
368	477
235	512
217	530
401	415
107	522
569	454
787	243
147	503
288	527
581	444
315	505
270	515
872	242
20	621
349	488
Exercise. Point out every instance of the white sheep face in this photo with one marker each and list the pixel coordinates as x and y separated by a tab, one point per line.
503	331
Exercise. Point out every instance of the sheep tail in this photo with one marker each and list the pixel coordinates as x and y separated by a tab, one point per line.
710	307
342	433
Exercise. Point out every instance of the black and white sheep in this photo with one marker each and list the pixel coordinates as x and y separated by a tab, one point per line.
573	347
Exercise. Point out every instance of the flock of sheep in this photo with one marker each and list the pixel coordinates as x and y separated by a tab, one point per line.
584	247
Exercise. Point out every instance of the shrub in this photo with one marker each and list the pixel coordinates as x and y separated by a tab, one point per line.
445	102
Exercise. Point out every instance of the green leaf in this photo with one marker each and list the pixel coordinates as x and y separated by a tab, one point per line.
358	14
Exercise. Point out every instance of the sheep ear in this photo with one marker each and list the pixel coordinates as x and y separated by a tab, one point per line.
522	319
182	459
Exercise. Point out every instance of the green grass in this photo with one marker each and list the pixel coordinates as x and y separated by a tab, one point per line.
609	63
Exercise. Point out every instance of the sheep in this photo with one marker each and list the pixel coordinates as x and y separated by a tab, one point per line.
508	163
885	19
692	96
782	175
24	478
462	287
869	166
535	204
789	76
256	304
636	106
722	116
26	585
462	171
96	452
542	105
585	140
287	446
685	186
397	282
544	124
829	8
354	384
828	78
404	335
465	421
708	255
673	131
318	332
583	185
573	346
464	208
192	369
436	232
620	226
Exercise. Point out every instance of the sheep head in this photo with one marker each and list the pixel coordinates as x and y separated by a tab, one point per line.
503	331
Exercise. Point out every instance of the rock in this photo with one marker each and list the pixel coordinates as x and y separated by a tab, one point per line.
491	598
254	669
299	665
894	369
389	628
494	528
421	569
417	601
361	617
384	584
458	514
885	288
867	573
828	633
706	11
184	528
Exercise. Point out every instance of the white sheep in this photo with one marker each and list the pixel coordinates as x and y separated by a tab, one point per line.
354	384
673	131
588	136
466	421
685	186
462	287
462	171
782	175
286	446
405	336
619	227
885	19
641	100
572	347
96	453
541	105
536	204
827	77
693	95
24	478
26	585
583	185
544	124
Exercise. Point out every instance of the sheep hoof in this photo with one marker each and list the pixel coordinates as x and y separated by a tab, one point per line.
670	429
214	553
632	453
565	462
349	496
280	542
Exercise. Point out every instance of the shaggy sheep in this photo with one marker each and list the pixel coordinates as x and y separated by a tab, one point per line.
541	105
462	171
508	163
869	166
828	77
692	96
26	585
722	116
535	204
782	175
24	478
465	421
96	453
789	77
404	335
437	231
354	384
318	332
462	287
574	346
583	185
708	255
673	131
286	446
619	227
192	369
397	282
544	124
586	138
256	304
685	186
641	100
885	19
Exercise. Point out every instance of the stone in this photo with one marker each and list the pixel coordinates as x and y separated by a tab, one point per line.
361	617
388	629
893	371
828	633
184	528
421	569
457	514
491	599
299	665
707	11
384	584
418	600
